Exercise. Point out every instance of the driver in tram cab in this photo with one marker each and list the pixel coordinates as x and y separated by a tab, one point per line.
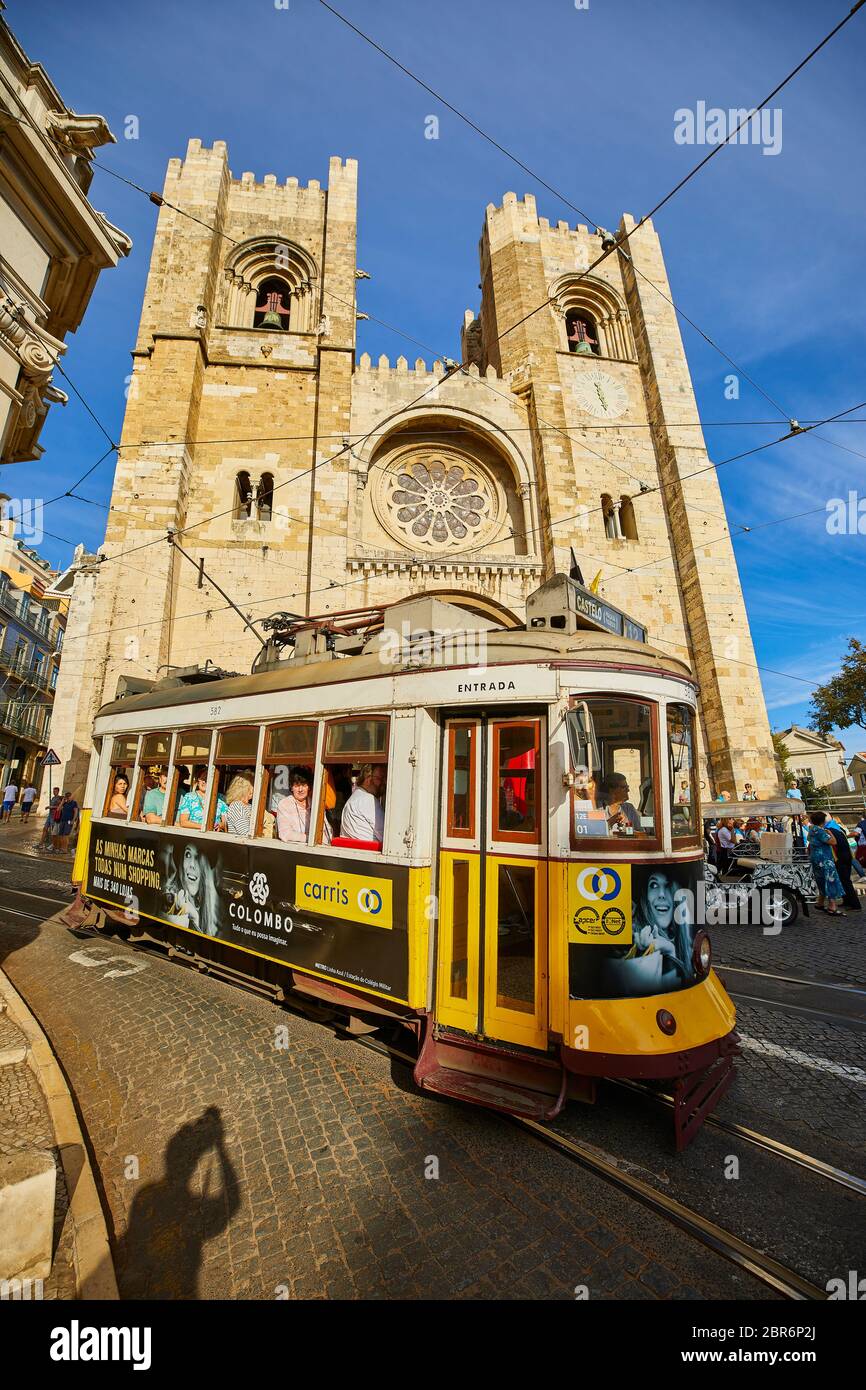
613	796
363	815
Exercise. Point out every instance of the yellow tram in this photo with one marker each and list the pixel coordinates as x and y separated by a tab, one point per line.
420	815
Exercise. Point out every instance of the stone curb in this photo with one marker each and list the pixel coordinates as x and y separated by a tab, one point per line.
94	1270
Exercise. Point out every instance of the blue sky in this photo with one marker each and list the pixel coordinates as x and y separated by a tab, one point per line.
763	251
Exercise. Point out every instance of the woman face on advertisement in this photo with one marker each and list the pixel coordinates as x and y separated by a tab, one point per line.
660	900
191	871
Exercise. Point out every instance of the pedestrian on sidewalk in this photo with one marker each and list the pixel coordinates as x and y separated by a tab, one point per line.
48	827
10	796
28	796
844	860
68	817
822	856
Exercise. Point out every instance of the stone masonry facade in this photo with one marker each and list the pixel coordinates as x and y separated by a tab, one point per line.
313	481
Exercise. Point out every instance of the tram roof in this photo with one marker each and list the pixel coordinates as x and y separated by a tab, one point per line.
502	647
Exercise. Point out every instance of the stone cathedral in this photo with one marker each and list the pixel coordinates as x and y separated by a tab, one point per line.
308	479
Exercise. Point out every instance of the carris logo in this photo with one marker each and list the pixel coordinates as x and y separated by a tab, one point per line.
370	901
599	884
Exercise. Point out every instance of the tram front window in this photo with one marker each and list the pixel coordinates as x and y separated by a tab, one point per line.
611	746
682	772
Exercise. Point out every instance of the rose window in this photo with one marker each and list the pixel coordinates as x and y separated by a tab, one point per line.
439	504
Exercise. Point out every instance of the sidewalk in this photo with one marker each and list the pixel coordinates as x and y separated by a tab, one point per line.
37	1113
23	837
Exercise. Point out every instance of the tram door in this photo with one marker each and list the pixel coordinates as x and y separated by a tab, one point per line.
492	954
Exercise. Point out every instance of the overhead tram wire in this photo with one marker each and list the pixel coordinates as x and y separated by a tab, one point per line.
158	200
474	549
456	554
619	242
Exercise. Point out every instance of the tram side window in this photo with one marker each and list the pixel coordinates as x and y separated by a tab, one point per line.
462	739
516	763
355	766
231	795
611	746
123	754
682	772
286	797
152	779
189	780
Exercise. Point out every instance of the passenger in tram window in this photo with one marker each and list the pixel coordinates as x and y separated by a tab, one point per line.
237	817
613	797
190	812
510	816
153	803
118	805
363	815
293	811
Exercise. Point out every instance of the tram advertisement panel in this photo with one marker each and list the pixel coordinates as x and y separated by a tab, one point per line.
319	914
631	928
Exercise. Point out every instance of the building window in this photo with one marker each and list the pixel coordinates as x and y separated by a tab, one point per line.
243	497
582	333
610	513
627	521
265	496
273	309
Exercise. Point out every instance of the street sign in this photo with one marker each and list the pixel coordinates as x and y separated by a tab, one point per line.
51	759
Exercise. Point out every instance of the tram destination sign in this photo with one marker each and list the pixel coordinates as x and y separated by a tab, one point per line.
604	615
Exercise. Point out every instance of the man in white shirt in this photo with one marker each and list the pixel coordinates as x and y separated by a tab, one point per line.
10	796
363	815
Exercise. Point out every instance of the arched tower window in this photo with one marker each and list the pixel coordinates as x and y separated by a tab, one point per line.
593	317
271	283
582	332
265	497
243	497
627	519
273	304
610	512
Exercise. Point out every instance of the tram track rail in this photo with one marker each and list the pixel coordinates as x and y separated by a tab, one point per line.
762	1141
789	979
760	1265
763	1267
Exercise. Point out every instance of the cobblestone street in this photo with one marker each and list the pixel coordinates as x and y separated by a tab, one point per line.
308	1170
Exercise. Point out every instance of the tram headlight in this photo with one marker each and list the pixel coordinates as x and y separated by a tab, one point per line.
702	954
666	1022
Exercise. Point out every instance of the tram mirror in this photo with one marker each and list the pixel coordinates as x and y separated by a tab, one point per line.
582	743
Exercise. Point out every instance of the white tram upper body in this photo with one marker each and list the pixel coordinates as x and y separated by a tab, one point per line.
532	911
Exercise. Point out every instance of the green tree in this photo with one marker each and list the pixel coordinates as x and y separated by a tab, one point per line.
782	756
841	702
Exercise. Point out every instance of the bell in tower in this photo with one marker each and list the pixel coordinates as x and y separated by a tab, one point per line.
271	309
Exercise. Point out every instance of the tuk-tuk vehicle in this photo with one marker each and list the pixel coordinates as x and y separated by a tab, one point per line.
774	865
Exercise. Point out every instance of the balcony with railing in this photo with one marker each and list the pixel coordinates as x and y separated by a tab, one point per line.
12	664
29	721
25	610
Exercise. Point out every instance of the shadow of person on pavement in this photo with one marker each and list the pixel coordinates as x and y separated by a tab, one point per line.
172	1219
